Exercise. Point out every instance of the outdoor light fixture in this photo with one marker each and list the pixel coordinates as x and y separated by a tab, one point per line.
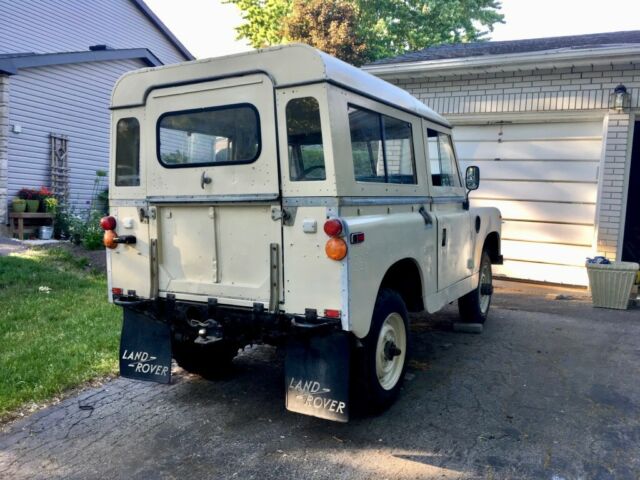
620	98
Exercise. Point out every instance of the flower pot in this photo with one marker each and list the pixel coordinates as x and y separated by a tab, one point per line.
32	205
18	205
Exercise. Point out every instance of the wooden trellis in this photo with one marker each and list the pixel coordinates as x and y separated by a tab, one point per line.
60	167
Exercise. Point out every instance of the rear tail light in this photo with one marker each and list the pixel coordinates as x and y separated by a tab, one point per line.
331	313
336	248
333	227
116	291
109	239
108	223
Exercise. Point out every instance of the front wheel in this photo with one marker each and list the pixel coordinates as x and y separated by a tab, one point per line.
381	363
474	306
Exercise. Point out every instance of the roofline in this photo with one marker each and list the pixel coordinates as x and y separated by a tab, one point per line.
144	8
10	66
492	63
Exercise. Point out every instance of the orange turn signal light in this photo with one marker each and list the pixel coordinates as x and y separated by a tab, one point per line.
336	248
109	239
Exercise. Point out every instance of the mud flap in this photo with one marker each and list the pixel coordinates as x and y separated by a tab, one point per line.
145	348
317	376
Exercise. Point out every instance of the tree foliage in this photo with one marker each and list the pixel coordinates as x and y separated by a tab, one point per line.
328	26
380	28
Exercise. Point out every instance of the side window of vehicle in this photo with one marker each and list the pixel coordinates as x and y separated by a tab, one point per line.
382	148
127	153
304	137
444	172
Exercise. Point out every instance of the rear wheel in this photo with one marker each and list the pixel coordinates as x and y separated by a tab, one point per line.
381	363
209	361
474	306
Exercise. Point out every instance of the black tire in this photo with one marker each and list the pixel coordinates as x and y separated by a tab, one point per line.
474	306
370	395
209	361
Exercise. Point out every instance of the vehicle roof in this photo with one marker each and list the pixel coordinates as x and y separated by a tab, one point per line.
282	63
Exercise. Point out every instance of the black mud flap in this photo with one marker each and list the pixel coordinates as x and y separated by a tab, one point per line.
317	376
145	348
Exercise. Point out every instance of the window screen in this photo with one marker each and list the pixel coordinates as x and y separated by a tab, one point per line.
304	137
210	136
382	147
127	153
444	172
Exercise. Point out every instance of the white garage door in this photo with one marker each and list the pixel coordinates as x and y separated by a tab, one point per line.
544	179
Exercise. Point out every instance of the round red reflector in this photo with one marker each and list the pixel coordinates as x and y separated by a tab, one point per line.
108	223
333	227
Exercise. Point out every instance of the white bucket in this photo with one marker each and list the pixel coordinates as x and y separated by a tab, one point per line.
46	233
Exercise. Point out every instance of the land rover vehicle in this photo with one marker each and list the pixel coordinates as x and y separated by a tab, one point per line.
283	196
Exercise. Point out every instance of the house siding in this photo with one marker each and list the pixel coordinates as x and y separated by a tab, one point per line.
71	100
4	142
553	91
46	26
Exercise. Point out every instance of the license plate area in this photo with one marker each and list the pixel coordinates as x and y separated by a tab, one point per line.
145	348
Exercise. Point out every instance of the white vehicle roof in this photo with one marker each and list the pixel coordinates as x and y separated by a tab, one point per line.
287	65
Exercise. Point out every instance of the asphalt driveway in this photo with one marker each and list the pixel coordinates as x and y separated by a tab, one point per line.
551	389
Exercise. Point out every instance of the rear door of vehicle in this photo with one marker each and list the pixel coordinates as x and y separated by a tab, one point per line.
213	187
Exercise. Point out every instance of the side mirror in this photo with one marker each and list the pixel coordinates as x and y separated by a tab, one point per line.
472	178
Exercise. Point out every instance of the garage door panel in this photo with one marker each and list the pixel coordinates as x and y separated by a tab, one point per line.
533	150
545	253
543	272
551	192
527	132
540	211
524	170
547	232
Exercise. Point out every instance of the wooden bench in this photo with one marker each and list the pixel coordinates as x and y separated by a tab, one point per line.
29	222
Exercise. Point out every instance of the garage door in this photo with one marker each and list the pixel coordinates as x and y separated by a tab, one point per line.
544	179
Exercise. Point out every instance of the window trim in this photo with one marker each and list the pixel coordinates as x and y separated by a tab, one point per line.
322	137
456	163
383	139
209	109
115	162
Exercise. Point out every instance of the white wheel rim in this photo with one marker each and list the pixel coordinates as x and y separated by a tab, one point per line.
485	279
392	333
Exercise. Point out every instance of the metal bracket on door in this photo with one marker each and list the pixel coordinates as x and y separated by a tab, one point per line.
427	218
204	180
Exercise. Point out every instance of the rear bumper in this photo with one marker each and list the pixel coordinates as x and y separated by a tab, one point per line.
240	324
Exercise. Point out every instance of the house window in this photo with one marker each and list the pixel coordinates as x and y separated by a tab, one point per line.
127	153
444	172
209	136
382	148
304	138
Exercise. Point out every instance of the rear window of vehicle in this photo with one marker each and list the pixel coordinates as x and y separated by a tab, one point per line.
209	136
382	147
127	153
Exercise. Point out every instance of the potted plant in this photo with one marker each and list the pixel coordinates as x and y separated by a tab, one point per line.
31	196
47	201
50	204
18	205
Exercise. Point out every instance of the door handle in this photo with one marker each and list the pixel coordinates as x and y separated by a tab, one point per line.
204	180
444	236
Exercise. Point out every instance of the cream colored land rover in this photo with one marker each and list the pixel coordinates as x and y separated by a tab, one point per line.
285	197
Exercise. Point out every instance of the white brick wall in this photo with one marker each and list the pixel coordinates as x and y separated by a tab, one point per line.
4	148
556	90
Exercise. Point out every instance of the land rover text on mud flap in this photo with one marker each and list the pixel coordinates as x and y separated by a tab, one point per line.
285	197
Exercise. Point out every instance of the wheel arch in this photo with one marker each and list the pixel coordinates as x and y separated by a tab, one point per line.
492	247
405	277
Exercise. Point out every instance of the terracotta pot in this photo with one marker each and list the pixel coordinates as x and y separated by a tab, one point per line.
33	205
18	205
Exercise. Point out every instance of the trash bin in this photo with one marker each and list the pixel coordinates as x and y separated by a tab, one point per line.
611	283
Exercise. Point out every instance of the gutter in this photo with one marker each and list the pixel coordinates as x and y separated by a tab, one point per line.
493	63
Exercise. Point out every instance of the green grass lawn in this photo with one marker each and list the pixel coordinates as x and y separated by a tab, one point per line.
57	329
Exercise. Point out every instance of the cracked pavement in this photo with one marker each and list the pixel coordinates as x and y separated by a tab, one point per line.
549	390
